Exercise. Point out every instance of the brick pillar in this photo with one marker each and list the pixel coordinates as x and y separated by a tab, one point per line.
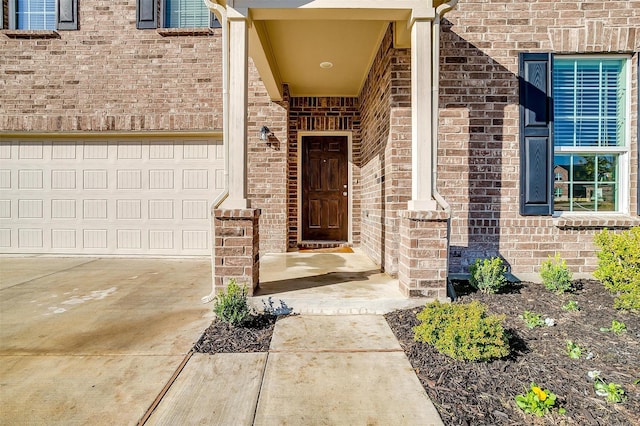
237	252
423	261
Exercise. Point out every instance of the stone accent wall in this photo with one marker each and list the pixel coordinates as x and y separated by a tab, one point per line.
237	239
267	163
423	253
110	76
479	135
386	152
323	114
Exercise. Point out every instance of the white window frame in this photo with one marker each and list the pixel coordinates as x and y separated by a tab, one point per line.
623	152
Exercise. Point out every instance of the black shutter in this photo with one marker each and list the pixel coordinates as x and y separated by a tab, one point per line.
67	14
536	139
213	21
146	14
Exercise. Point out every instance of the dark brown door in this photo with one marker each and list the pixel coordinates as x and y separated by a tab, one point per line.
325	188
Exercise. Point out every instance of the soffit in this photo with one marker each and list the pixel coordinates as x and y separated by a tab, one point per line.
288	46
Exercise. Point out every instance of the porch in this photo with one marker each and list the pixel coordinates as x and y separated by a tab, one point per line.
330	128
332	282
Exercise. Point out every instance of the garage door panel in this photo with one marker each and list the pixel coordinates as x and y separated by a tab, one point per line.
97	197
5	179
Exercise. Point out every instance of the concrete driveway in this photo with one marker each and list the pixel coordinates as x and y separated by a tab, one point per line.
93	341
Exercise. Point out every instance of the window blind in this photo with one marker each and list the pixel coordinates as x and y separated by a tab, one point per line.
36	14
588	101
186	14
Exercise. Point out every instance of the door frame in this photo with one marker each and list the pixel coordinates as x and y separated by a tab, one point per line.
349	136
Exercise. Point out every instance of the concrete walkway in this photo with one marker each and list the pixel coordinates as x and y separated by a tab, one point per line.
320	370
97	341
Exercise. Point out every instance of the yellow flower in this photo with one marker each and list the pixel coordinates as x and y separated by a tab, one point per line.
542	395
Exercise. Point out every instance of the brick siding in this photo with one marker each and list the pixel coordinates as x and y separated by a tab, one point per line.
237	252
110	76
267	164
479	140
386	152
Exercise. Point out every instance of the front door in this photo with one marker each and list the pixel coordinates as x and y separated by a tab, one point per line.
325	189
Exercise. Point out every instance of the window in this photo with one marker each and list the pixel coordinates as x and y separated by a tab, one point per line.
574	133
36	14
174	14
186	14
43	14
589	130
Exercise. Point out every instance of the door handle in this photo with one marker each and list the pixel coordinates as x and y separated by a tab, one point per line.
345	193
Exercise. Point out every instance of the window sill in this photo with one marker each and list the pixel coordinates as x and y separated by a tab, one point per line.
595	221
31	33
171	32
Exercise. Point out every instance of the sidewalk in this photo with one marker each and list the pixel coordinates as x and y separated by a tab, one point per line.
320	370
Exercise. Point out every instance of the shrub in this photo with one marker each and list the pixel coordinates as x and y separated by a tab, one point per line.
571	305
487	275
462	331
532	319
555	275
231	305
619	266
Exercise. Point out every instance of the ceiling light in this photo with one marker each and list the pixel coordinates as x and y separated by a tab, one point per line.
326	65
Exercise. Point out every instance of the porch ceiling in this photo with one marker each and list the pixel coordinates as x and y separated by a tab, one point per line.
289	46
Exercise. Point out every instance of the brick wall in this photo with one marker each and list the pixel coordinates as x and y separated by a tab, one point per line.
267	164
479	141
237	237
386	152
315	114
110	76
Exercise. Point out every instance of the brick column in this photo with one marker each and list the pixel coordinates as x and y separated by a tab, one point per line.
423	260
237	252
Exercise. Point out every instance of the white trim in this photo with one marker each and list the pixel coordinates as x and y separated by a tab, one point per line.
349	135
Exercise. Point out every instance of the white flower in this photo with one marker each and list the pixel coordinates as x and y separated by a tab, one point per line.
550	322
594	374
601	392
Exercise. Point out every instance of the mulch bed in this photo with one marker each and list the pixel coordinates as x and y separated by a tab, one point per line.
468	393
252	336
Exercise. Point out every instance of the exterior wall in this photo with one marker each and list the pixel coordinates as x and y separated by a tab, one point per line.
479	139
110	76
323	114
267	164
386	152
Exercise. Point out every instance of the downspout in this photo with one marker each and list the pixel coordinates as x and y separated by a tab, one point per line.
435	107
221	12
435	100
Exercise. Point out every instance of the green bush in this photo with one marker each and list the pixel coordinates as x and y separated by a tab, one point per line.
462	331
487	275
555	275
231	305
619	266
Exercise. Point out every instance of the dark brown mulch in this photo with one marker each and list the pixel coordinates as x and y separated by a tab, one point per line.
252	336
467	393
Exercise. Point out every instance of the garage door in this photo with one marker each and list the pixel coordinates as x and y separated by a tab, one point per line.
120	197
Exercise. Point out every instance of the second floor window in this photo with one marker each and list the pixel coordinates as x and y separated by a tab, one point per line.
36	14
186	14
